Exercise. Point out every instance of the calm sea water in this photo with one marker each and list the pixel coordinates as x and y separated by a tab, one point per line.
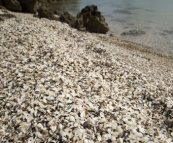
155	17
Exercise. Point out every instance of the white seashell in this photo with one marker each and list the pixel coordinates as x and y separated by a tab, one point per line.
142	130
41	127
120	130
35	112
50	98
109	125
90	104
126	121
102	114
69	101
76	125
106	136
51	93
86	141
40	104
72	119
82	114
68	96
172	134
31	140
38	134
24	126
137	133
44	100
60	126
99	137
102	120
29	119
53	127
120	140
78	132
51	46
63	134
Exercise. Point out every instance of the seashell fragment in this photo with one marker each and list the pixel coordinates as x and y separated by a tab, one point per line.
53	127
72	119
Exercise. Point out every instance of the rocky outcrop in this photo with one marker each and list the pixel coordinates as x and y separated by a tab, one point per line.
68	18
89	19
28	5
43	12
12	5
20	5
72	21
93	20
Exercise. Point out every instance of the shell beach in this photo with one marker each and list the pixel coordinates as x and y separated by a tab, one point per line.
58	84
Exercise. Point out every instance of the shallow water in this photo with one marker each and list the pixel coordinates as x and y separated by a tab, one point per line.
154	17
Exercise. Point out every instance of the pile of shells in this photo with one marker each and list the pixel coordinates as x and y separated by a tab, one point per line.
60	85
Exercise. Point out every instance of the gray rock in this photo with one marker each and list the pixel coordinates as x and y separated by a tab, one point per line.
89	19
12	5
43	12
68	18
28	5
93	20
72	21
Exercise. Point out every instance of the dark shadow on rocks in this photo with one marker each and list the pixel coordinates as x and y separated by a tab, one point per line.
20	5
43	12
134	33
1	19
2	7
68	18
28	5
72	21
12	5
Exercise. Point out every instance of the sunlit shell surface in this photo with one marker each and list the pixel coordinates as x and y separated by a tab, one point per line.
58	84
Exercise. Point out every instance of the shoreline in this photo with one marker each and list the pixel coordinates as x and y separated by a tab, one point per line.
114	39
133	45
61	84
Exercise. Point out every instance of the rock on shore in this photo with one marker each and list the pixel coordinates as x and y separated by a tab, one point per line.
89	19
20	5
13	5
58	84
